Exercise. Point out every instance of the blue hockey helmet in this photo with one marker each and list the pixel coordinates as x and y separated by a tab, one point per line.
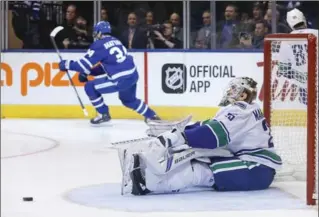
101	28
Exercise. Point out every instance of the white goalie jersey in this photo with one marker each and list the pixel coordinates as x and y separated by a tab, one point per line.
247	133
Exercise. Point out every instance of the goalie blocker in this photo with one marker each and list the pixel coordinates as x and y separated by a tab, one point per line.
231	152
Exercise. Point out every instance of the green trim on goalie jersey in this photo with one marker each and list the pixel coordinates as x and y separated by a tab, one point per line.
262	154
233	164
205	122
220	132
273	157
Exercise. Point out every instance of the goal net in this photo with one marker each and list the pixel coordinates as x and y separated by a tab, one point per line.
291	105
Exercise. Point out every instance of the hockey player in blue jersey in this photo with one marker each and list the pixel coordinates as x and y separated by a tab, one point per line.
113	70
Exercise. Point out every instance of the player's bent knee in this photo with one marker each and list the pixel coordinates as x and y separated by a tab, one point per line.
258	178
89	87
90	90
133	104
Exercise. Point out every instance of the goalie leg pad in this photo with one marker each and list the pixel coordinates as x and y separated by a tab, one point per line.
188	175
234	174
162	160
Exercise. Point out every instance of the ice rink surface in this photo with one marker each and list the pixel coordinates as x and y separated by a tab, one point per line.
69	169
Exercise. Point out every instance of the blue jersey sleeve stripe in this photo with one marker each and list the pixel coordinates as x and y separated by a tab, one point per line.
123	73
84	63
84	69
87	62
67	64
104	85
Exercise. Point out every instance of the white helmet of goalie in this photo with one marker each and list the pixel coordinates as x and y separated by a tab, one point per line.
295	18
239	89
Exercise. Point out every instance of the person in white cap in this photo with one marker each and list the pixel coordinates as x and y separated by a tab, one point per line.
297	22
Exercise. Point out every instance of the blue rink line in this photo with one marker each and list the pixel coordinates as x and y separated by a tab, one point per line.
107	196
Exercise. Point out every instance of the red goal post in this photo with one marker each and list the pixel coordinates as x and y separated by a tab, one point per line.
311	110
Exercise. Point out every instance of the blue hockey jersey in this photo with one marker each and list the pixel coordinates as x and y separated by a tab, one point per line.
106	57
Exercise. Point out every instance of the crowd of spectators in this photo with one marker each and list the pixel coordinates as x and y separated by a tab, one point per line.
141	25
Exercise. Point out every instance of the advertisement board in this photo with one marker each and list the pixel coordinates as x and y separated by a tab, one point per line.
35	78
197	79
177	83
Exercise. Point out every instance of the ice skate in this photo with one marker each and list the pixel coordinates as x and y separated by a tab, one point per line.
154	118
100	119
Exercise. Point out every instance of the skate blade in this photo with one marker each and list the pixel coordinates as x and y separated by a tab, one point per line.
103	124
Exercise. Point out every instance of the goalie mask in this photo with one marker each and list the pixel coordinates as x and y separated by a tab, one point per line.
237	89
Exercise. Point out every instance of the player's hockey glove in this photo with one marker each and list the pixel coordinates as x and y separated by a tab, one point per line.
83	78
174	140
64	65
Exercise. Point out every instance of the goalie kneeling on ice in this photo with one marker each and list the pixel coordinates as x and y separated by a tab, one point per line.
231	152
199	86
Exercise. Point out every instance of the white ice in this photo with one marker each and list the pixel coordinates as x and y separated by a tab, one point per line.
54	160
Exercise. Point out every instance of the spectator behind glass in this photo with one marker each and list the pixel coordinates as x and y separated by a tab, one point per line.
247	25
149	28
177	29
83	39
257	40
204	34
133	36
228	30
105	17
258	10
26	23
281	27
149	18
165	39
71	15
68	34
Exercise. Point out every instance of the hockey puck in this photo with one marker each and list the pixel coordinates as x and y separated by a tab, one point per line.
28	199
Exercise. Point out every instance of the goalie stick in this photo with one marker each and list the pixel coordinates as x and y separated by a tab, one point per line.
131	142
54	32
155	129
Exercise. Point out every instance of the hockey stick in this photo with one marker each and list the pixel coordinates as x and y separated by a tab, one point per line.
54	32
131	142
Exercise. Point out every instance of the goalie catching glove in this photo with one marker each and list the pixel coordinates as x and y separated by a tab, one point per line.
174	140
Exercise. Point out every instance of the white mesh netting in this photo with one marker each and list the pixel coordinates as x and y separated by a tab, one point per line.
288	112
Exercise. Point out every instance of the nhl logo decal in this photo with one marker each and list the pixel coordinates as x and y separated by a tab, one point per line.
174	78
